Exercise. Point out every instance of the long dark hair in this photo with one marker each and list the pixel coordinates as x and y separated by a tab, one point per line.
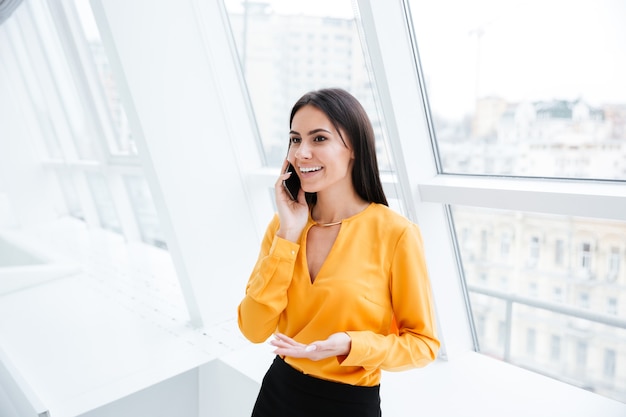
346	113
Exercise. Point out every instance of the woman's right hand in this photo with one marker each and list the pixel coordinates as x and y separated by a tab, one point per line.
293	214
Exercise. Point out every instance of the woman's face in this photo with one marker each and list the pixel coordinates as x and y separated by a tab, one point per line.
322	160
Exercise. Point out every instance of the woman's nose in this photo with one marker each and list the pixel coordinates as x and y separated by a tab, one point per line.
303	151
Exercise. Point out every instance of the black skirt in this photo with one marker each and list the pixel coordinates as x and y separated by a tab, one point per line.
286	392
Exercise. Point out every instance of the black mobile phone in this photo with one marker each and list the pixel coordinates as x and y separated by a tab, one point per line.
292	184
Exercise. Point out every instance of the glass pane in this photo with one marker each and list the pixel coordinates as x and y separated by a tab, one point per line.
145	212
122	143
548	293
103	201
526	88
63	82
25	55
15	52
289	48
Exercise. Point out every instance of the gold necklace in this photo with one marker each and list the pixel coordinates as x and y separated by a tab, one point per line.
328	224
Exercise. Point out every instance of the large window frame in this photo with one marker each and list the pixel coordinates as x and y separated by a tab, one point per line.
68	46
434	192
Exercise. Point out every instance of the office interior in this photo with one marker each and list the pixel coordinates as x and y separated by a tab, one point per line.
140	142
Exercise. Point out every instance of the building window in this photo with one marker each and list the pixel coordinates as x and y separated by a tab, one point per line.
609	363
585	256
611	306
559	252
505	245
534	250
504	282
583	300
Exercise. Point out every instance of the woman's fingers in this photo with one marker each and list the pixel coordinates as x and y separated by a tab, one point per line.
286	346
286	340
336	344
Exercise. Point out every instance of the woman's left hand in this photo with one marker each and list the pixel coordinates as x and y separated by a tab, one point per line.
337	344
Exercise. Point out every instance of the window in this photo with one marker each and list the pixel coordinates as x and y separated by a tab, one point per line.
70	86
114	121
504	283
283	55
497	112
505	244
510	140
585	256
559	250
533	251
583	300
519	336
61	118
609	363
278	73
614	263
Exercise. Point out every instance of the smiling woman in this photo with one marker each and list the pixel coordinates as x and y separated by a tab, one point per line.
341	279
325	117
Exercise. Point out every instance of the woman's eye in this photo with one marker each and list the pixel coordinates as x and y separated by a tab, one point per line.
295	140
319	139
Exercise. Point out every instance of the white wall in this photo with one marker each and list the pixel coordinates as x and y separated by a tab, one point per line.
188	117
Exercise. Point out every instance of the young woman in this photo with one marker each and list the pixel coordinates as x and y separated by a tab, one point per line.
341	280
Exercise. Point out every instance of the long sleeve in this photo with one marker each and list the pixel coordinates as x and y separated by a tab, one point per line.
266	291
414	344
373	285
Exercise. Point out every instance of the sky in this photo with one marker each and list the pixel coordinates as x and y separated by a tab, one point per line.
528	50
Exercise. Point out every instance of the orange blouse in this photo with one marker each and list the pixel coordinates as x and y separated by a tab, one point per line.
373	285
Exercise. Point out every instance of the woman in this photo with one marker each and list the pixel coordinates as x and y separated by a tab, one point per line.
340	280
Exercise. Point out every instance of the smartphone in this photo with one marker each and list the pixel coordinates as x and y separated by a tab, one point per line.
292	184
